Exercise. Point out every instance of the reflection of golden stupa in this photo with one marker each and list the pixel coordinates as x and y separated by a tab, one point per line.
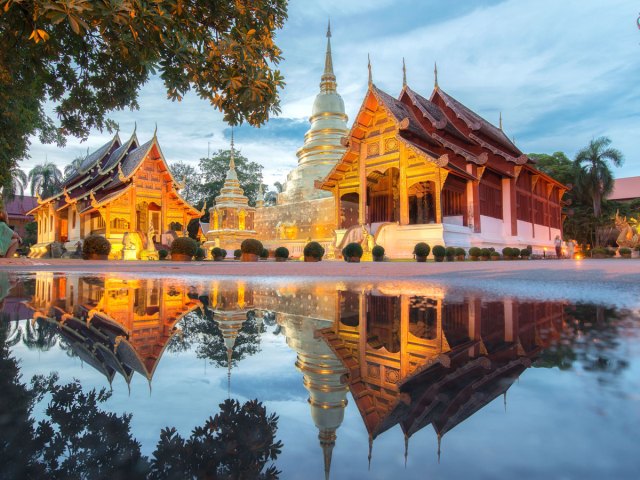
114	325
231	219
322	376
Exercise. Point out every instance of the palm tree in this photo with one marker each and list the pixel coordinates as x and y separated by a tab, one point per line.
594	172
45	179
16	185
73	167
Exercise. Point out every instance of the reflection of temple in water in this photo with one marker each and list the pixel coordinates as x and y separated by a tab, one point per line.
114	325
408	360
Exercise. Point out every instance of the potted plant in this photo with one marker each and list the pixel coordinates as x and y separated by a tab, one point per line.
507	253
237	253
485	253
421	251
624	252
515	253
525	253
224	254
96	247
264	255
460	254
199	253
217	254
450	253
439	253
183	249
352	253
251	250
163	254
474	253
313	252
378	253
599	252
494	256
282	254
610	252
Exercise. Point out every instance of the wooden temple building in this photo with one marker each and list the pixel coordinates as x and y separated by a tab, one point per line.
433	170
123	191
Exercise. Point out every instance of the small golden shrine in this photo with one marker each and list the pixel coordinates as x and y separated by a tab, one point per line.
231	218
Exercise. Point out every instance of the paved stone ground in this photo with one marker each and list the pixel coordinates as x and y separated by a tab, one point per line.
610	281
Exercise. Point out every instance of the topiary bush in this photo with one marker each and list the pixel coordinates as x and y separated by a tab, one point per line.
507	252
184	246
224	253
485	252
474	252
599	252
460	253
217	253
264	254
352	250
450	253
313	250
163	254
252	246
421	249
525	253
624	251
95	245
237	253
515	252
494	256
439	252
199	255
282	252
378	253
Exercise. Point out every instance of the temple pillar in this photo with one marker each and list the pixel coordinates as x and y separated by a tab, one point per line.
107	221
362	337
336	205
438	196
362	175
164	189
510	321
509	214
404	335
473	198
404	190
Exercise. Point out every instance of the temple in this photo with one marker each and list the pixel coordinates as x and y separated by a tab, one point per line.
432	170
123	191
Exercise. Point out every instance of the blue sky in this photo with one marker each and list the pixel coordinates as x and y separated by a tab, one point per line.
561	73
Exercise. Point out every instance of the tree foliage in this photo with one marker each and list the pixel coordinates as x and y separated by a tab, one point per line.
87	58
186	173
45	179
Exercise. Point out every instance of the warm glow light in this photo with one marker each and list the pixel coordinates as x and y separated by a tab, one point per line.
578	257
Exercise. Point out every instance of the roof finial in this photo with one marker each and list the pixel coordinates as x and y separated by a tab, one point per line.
500	120
435	75
404	73
369	67
155	132
406	449
505	401
328	79
232	163
370	450
439	443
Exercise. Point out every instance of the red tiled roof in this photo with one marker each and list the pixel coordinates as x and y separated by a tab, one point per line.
19	206
625	188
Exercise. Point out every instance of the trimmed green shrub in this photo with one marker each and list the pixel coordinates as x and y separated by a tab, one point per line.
494	255
199	253
460	252
624	251
224	253
474	252
515	252
525	253
282	252
314	250
237	253
377	251
485	252
163	254
264	254
421	249
439	251
251	245
450	252
610	252
507	252
217	252
184	246
352	250
599	251
95	245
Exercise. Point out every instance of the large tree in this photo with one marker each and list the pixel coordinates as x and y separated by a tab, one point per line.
45	179
594	174
186	173
17	182
86	58
214	172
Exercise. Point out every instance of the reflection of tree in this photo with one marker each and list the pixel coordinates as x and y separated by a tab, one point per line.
236	443
77	439
591	338
203	333
40	335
